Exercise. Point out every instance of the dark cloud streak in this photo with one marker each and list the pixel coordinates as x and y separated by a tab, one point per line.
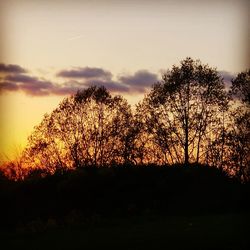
22	82
15	78
85	73
8	86
140	81
11	68
79	79
110	85
142	77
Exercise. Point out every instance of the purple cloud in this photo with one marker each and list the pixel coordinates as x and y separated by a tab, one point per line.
80	78
38	89
141	80
8	86
11	68
109	85
25	79
62	90
28	84
227	78
67	88
85	72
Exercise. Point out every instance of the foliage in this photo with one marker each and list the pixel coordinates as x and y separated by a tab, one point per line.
182	112
89	128
241	87
238	130
188	117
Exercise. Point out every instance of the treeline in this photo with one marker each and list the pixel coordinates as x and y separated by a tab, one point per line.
190	116
93	195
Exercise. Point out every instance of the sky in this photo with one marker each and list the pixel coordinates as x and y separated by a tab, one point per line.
49	49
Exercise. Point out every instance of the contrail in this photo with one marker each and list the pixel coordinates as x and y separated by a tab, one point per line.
75	37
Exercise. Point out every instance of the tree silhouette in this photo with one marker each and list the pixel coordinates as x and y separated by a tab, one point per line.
188	117
88	128
241	87
183	111
238	130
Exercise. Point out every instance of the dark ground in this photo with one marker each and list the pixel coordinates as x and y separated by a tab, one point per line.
127	208
227	231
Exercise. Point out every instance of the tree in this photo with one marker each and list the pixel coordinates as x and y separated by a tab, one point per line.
88	128
183	110
241	87
238	131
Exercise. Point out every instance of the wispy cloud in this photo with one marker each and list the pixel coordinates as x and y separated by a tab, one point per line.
85	72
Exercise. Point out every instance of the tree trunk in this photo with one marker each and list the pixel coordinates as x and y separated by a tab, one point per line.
198	149
186	160
186	144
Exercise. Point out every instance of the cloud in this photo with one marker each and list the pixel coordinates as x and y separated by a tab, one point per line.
109	85
28	80
64	90
28	84
85	72
38	89
72	87
11	68
35	86
137	82
16	78
140	81
8	86
79	78
67	88
88	77
227	78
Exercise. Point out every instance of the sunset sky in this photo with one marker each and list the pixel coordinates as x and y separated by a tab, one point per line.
49	49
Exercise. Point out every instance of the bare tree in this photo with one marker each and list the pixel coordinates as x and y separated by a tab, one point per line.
238	130
88	128
183	110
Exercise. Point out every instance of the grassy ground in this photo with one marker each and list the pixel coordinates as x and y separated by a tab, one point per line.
228	231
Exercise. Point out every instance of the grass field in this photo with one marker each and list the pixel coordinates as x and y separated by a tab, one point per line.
227	231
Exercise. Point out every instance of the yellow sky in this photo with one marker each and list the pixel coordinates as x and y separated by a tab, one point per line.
119	36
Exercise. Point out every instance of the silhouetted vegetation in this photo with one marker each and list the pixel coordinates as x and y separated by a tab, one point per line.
90	193
184	151
188	117
183	113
